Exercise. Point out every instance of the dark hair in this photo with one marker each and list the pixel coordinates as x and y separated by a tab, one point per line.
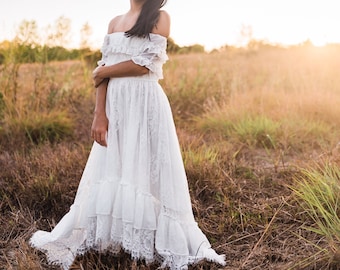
147	18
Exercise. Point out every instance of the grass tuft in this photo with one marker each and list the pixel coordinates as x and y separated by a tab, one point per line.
318	193
37	128
255	131
51	127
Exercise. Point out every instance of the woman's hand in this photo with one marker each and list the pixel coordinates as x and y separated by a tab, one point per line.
99	128
97	77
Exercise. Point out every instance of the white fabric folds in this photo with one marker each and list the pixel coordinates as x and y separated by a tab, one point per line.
133	194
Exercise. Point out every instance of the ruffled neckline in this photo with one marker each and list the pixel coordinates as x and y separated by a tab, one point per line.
150	52
122	33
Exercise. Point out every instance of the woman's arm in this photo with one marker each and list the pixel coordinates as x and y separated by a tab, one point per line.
100	122
122	69
100	77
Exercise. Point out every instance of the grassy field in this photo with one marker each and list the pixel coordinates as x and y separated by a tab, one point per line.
259	131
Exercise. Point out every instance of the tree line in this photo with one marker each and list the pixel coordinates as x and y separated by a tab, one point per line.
28	46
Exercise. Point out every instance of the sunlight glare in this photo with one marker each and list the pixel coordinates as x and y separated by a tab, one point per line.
319	42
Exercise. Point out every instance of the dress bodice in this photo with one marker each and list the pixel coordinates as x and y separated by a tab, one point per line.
149	52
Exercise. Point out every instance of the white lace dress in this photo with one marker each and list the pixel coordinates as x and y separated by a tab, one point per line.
134	193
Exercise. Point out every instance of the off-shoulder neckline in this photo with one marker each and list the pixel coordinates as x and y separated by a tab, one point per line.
151	34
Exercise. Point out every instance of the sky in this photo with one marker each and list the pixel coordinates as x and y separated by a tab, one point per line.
211	23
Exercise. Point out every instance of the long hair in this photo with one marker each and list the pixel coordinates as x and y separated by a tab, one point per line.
147	18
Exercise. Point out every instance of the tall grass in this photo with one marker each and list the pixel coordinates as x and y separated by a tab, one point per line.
318	193
251	130
293	94
238	115
40	104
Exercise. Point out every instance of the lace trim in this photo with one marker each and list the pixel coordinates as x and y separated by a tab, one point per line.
58	252
138	242
179	262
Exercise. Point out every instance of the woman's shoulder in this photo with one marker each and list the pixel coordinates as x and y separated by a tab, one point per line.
164	14
113	23
163	25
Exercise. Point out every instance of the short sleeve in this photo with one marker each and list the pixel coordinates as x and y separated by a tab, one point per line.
103	50
153	55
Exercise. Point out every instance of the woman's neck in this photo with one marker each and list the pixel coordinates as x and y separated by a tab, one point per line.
136	6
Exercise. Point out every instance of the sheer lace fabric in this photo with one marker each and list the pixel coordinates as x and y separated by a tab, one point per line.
133	194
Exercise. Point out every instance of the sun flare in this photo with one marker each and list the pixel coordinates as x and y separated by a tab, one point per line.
319	42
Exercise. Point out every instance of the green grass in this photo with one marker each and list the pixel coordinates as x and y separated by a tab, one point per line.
254	131
37	127
317	190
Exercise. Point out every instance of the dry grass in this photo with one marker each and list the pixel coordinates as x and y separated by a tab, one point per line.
248	123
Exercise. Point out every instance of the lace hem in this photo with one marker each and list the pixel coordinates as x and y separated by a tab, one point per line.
137	242
180	262
107	234
58	253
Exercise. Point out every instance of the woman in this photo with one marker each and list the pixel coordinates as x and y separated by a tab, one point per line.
133	193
